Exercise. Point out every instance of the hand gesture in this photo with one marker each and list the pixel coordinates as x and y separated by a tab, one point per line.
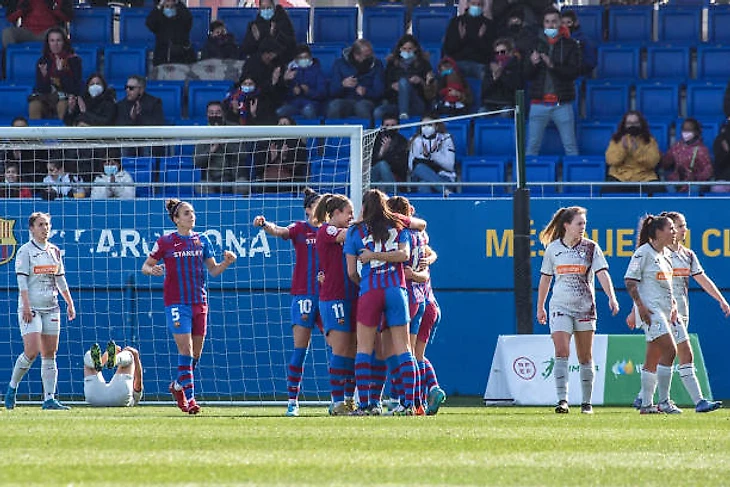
535	58
81	103
72	102
320	277
462	30
157	270
290	74
229	257
546	59
213	148
349	82
394	86
542	316
254	106
613	305
304	88
43	67
429	77
276	75
272	29
415	80
482	30
259	221
365	256
360	90
255	32
385	144
725	308
135	110
71	312
296	90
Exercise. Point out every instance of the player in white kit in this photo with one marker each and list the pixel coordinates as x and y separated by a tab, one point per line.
125	387
40	272
574	261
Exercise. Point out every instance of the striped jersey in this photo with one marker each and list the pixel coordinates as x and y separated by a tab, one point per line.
574	270
306	262
684	265
42	265
377	274
653	271
332	262
416	290
185	270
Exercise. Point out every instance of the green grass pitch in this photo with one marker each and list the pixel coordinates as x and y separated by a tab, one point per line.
460	446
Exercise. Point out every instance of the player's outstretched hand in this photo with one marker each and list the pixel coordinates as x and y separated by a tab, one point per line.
613	304
541	316
259	221
725	308
157	270
229	257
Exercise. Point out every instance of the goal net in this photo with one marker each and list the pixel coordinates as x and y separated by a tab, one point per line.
230	175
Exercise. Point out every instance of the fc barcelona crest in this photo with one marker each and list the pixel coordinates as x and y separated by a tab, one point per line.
8	243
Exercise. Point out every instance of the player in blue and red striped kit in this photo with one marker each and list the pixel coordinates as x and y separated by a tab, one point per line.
186	255
379	244
304	290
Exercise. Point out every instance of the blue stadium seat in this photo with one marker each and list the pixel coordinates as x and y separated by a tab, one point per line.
668	63
434	54
202	92
479	169
541	169
20	62
619	61
89	59
459	130
657	100
429	23
92	25
142	170
170	92
300	21
201	23
15	100
237	19
718	20
606	100
476	90
593	137
630	23
4	22
122	61
337	147
179	169
705	99
680	24
46	122
382	52
660	131
383	26
713	63
132	28
335	25
494	138
327	55
591	21
577	169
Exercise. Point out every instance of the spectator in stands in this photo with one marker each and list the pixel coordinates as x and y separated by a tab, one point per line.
281	161
721	150
390	155
58	75
688	159
589	53
410	85
453	93
306	86
552	68
171	21
32	169
504	77
530	10
468	39
632	155
357	82
115	183
12	186
60	183
267	71
139	107
247	104
223	163
220	44
37	17
432	156
726	101
272	22
97	106
513	27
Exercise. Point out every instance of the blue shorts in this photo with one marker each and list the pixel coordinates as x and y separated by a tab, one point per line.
337	315
187	318
420	308
391	302
305	310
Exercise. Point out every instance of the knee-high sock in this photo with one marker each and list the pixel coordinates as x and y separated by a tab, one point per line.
22	364
378	373
338	374
408	376
424	387
560	371
362	378
664	381
185	375
195	363
294	375
689	379
431	380
349	377
49	377
392	364
648	386
587	373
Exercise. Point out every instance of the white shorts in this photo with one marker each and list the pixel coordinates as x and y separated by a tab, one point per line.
117	393
659	326
560	321
679	329
44	322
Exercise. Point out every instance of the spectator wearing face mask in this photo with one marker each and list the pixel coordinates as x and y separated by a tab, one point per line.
272	22
96	106
171	22
432	156
245	104
267	71
390	155
689	158
632	155
454	96
220	44
306	86
504	77
514	27
589	53
357	82
115	183
468	39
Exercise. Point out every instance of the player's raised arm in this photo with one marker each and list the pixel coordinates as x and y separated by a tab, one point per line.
217	268
271	228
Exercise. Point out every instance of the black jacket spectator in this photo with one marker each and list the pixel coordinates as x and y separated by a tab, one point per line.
98	109
395	154
721	148
565	57
278	29
220	47
150	111
475	45
726	101
172	34
501	82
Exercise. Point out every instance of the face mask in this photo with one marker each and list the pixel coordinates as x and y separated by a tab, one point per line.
475	10
515	28
446	72
633	130
169	12
266	13
687	136
215	120
95	90
502	58
551	33
428	130
304	62
247	88
110	170
407	55
364	65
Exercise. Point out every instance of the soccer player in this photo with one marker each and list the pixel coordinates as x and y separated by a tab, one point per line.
337	298
649	283
304	289
41	276
185	254
574	261
377	242
125	387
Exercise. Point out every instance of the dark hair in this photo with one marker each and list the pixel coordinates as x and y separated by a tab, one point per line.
419	54
389	116
36	215
696	125
506	41
555	229
550	11
213	102
400	205
302	49
58	164
674	215
327	205
173	206
19	119
66	42
360	44
570	14
288	118
139	79
310	196
14	164
376	215
649	226
97	75
215	24
644	134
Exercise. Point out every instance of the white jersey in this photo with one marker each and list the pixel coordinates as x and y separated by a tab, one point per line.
574	269
684	264
653	271
42	266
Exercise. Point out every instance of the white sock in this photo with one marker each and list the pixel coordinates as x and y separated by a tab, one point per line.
664	381
22	364
87	360
560	371
49	377
689	379
587	372
124	358
648	386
